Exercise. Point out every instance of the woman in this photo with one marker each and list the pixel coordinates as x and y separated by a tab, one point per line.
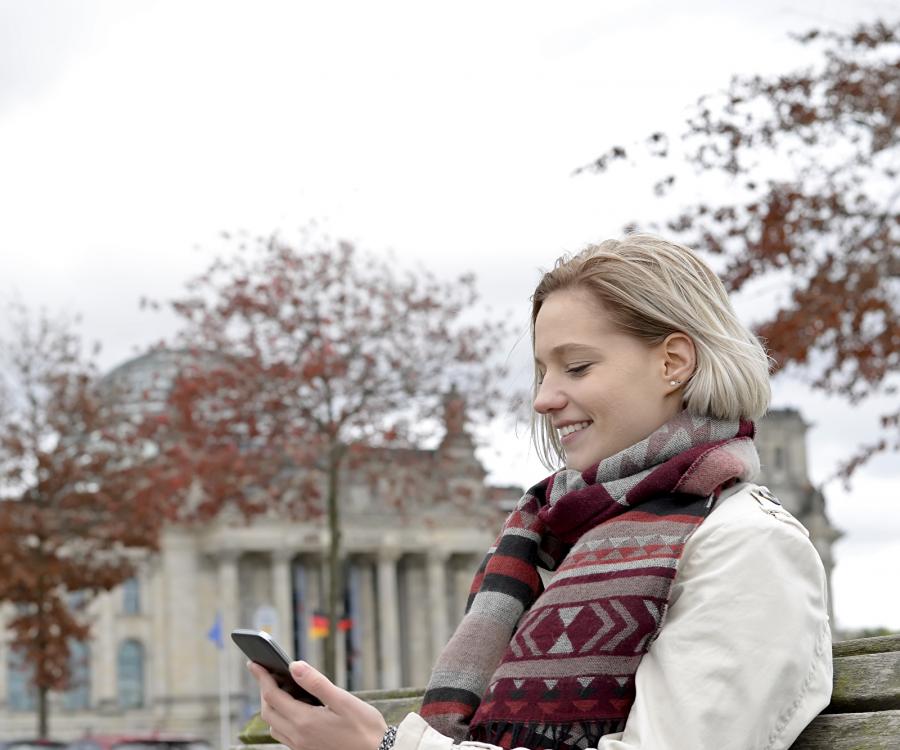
649	595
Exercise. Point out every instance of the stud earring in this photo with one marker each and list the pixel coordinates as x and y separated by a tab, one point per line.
674	382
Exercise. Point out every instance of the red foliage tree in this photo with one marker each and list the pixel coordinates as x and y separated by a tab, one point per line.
804	168
68	522
323	356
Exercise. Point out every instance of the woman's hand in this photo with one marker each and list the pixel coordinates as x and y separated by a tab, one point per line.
343	722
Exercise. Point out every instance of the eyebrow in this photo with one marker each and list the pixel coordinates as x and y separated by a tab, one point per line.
569	348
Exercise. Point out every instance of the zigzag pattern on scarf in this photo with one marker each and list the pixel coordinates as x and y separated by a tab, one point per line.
573	658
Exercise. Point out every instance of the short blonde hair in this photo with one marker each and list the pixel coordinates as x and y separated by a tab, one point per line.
651	288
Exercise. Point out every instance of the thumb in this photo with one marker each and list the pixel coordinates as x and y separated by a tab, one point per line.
313	681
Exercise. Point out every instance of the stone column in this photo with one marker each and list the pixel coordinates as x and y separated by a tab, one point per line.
300	613
227	579
157	651
283	599
340	643
437	601
312	569
104	685
5	613
366	624
388	620
415	629
185	632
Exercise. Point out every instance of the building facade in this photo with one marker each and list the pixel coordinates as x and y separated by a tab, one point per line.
781	442
153	663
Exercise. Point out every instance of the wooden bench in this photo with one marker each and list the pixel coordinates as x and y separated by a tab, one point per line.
865	707
864	713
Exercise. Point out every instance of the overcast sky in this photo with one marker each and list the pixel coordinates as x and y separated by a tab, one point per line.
133	133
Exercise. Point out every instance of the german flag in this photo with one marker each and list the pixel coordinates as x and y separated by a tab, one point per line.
318	625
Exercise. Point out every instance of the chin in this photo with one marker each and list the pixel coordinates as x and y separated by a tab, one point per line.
577	463
580	465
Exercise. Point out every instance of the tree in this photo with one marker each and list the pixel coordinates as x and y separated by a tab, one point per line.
324	356
804	168
67	520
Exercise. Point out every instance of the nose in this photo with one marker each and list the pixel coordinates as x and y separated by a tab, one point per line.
548	397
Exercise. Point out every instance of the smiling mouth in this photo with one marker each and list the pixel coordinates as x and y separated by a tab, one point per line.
571	429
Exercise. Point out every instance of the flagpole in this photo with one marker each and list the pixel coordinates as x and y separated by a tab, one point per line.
224	710
216	635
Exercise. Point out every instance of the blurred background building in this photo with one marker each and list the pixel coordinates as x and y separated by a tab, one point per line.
160	648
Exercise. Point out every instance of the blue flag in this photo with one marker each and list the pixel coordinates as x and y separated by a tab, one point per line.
215	632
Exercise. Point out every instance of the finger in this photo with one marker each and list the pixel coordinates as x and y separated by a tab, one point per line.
276	703
261	675
313	681
286	736
280	725
278	737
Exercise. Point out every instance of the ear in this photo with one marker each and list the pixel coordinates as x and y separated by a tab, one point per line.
679	359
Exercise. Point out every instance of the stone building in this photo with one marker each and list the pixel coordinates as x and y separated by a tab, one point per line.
408	563
781	442
151	664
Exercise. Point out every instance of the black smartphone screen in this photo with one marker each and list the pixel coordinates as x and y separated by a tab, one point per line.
261	648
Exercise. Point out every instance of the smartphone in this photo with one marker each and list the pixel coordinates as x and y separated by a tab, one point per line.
261	648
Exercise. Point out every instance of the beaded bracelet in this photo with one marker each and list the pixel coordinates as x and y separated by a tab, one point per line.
387	742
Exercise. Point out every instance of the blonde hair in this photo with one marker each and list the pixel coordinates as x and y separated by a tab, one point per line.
652	288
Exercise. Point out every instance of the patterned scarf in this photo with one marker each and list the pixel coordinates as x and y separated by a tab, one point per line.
555	668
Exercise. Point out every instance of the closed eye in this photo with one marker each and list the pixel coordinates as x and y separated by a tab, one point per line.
576	370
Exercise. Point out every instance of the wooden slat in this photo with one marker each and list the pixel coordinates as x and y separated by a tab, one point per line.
394	710
377	695
869	682
858	646
865	731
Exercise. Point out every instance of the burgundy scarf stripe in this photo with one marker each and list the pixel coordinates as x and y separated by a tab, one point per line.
555	668
451	700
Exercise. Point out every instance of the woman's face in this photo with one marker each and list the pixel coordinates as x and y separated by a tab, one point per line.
603	390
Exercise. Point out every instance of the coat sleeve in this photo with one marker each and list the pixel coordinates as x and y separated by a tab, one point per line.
743	660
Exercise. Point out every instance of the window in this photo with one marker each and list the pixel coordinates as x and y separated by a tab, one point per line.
130	674
20	693
78	696
131	597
